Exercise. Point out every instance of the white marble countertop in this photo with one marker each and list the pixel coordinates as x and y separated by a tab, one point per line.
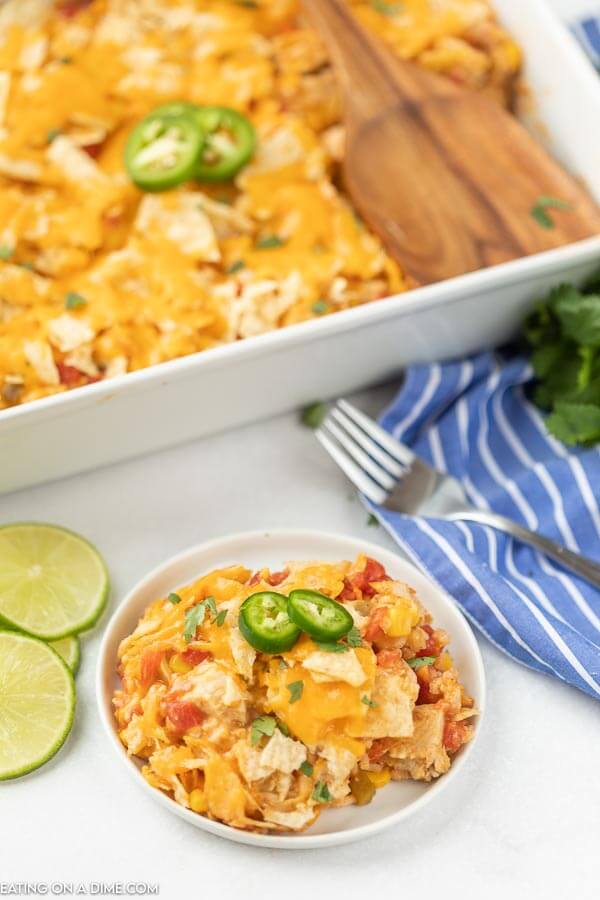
523	821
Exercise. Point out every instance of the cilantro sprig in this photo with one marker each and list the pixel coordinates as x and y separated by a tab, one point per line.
321	793
352	639
564	335
418	661
539	210
264	726
295	688
195	615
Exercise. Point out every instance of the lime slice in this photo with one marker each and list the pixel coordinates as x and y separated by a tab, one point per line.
70	650
37	703
52	582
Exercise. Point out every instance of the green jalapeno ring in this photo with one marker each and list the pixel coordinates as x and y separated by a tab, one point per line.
265	623
319	616
230	142
163	149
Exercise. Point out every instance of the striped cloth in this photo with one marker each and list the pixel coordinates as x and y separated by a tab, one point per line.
587	32
472	420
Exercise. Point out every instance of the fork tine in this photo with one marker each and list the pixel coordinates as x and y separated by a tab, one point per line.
381	456
383	478
356	475
399	451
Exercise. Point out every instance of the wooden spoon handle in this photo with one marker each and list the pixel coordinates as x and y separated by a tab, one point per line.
367	70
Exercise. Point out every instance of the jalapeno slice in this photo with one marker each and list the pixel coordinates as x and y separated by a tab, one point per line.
319	616
265	623
230	141
164	148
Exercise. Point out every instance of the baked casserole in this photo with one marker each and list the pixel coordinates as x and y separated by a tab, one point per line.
99	277
353	687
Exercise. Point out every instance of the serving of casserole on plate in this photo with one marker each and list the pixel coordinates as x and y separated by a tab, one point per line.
353	686
99	278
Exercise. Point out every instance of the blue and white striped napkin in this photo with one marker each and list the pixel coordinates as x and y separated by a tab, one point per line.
587	32
472	420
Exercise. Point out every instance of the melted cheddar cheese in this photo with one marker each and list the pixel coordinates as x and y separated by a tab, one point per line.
97	279
267	741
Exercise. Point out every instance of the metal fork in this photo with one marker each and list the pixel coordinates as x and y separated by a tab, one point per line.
390	475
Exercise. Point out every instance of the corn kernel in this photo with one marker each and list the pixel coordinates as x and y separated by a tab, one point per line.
379	779
179	665
402	618
444	662
198	802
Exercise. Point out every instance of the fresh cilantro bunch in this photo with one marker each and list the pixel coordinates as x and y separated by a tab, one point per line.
564	332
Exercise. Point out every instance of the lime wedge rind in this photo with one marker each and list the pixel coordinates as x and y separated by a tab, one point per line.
50	621
69	648
66	701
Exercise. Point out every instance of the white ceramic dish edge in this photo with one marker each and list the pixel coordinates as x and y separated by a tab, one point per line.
235	548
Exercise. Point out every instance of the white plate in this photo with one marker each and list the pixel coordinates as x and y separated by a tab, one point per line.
398	801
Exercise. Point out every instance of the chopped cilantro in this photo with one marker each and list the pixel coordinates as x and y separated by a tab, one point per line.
211	605
269	242
283	728
248	4
220	618
295	688
320	307
195	617
386	9
174	598
73	300
353	638
332	646
27	265
418	661
53	134
544	203
564	335
306	768
264	726
372	521
6	252
321	793
313	415
236	266
368	702
283	664
66	60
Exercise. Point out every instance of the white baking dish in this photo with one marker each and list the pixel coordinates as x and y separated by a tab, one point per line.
231	385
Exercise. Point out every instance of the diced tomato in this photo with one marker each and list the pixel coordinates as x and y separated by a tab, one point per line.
273	578
455	735
93	150
424	678
347	593
379	748
182	715
70	8
195	657
69	375
434	646
361	581
276	578
150	665
389	659
375	630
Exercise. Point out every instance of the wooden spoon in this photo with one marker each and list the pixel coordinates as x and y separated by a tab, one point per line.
448	179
